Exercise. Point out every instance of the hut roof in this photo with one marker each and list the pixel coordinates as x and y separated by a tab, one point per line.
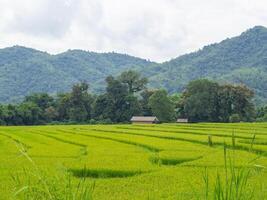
144	119
182	120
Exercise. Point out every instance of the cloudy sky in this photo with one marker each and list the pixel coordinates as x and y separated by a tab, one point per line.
153	29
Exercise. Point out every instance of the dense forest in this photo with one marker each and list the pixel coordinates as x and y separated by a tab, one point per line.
239	60
127	95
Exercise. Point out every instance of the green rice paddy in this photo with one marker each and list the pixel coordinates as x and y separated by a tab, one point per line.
164	161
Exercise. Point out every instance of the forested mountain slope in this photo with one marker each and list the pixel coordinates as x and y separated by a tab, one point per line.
24	71
241	59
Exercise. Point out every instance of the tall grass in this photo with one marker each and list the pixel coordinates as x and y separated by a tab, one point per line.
37	184
230	184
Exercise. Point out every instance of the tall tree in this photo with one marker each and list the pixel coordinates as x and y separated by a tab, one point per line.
134	81
11	115
42	100
30	113
236	100
201	100
204	100
103	107
176	100
161	106
116	93
123	105
2	115
262	113
62	106
145	95
242	104
80	103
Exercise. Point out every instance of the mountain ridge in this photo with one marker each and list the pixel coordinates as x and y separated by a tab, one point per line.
241	59
249	50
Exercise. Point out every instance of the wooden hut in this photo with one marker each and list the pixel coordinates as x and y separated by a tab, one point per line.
182	120
144	120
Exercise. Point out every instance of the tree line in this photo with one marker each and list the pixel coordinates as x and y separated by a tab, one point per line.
127	95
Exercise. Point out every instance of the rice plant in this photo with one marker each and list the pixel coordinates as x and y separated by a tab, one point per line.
163	161
230	184
34	183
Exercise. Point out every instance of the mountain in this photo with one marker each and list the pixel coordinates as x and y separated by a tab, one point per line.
241	59
24	71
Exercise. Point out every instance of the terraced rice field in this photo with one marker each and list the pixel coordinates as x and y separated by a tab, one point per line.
164	161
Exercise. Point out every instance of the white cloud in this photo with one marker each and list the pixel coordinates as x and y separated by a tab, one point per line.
153	29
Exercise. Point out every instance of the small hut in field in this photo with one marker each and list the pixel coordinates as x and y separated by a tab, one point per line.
182	120
144	120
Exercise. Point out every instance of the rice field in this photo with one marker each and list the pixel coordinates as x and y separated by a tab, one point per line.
163	161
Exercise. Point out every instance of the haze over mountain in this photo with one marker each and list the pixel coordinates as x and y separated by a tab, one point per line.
241	59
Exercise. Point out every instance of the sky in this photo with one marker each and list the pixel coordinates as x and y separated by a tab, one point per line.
157	30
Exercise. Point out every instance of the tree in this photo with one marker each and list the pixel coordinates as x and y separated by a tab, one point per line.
204	100
261	114
161	106
30	113
2	117
236	99
261	111
80	103
225	99
50	114
11	115
122	104
133	106
62	106
134	81
76	105
176	100
145	95
242	103
116	94
103	107
42	100
201	100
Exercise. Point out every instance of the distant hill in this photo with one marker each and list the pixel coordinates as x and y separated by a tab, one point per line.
241	59
24	70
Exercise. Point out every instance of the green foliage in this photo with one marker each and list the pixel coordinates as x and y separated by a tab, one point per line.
30	113
205	100
161	106
240	60
102	107
80	103
134	81
117	94
232	183
39	184
146	94
234	118
126	96
25	71
201	100
42	100
118	104
261	114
